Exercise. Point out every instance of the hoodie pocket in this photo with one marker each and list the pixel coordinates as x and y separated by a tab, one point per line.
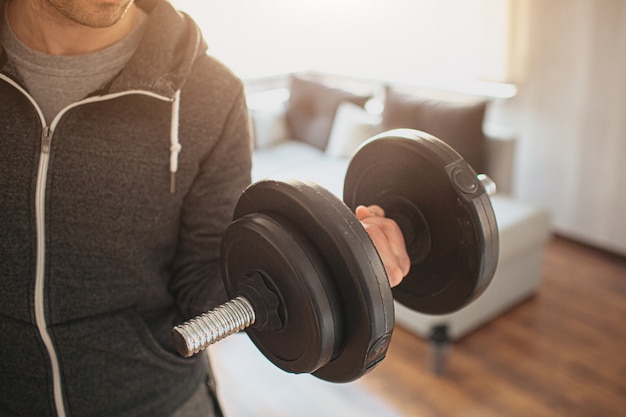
113	362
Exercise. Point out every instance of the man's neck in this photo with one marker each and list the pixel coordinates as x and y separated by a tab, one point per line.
42	28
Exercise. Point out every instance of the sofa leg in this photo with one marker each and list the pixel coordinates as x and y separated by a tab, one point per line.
439	345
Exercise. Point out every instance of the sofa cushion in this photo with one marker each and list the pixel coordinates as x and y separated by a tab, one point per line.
311	109
283	157
351	127
459	124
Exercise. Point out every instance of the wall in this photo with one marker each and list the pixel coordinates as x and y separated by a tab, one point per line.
404	39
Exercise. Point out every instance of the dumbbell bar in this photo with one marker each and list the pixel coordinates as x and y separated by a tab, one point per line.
309	286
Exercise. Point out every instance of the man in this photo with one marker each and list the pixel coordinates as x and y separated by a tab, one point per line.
123	149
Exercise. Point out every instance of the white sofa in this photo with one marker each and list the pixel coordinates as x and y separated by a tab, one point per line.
523	227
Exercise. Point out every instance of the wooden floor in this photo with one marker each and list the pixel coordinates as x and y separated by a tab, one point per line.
561	353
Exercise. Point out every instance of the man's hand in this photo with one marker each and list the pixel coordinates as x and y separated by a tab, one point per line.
388	240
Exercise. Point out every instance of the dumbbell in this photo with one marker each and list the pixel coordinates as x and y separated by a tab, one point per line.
307	283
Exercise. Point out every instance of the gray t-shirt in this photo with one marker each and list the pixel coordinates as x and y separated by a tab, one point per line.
57	81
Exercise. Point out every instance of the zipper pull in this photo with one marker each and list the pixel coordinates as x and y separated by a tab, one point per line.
46	140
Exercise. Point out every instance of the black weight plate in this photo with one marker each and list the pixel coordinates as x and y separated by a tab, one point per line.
442	209
257	246
352	261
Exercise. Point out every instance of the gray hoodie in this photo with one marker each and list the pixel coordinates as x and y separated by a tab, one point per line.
98	258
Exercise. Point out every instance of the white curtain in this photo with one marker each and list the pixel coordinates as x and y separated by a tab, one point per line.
570	115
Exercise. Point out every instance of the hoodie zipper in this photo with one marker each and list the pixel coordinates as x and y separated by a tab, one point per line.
40	215
40	197
39	296
40	315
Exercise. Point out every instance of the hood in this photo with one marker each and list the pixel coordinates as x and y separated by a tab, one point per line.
171	44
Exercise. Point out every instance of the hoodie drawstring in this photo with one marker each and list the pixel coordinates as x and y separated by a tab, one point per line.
174	142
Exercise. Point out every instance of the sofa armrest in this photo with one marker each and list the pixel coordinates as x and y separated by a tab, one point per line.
500	161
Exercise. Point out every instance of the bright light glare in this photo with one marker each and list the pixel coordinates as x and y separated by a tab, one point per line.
415	41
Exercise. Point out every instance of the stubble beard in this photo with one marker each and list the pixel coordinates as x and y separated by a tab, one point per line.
101	15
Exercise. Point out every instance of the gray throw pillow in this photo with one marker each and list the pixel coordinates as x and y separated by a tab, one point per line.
311	109
459	124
